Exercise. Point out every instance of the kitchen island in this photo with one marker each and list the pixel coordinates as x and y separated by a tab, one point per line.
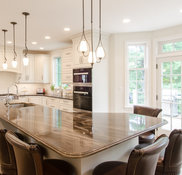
83	139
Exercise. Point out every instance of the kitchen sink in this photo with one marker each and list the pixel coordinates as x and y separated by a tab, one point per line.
20	105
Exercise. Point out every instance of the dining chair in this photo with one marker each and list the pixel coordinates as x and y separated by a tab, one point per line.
140	162
29	159
148	137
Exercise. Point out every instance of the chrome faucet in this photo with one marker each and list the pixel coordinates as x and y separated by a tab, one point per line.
8	97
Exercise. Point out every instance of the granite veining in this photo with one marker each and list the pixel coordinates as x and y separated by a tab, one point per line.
79	134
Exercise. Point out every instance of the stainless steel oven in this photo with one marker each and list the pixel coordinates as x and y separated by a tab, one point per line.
83	75
82	97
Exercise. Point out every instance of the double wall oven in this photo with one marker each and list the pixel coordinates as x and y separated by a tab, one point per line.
82	89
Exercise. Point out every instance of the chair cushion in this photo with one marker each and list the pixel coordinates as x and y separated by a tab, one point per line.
110	168
57	167
147	137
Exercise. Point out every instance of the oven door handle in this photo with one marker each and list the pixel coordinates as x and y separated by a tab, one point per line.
80	92
82	73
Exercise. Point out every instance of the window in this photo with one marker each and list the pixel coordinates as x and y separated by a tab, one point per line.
170	46
57	72
136	73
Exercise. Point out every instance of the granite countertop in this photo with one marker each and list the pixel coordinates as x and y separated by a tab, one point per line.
66	97
77	135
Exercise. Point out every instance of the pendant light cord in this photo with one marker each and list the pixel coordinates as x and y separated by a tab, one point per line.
5	59
100	20
14	38
92	45
83	15
26	48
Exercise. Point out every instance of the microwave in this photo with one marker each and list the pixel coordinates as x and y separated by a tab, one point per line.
83	75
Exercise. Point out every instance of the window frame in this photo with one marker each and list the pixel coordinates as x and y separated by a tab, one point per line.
146	70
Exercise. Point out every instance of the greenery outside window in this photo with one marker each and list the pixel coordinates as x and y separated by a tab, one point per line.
170	46
57	72
136	74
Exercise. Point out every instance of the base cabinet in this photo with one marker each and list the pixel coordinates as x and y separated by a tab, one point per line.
55	103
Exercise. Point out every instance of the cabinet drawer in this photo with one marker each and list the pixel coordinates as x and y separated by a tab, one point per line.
65	102
67	53
35	100
67	65
67	78
53	103
67	71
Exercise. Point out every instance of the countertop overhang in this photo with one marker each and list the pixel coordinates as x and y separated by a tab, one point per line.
78	134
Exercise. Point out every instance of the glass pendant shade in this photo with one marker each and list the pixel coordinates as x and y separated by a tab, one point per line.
5	66
92	57
83	46
100	53
14	63
25	61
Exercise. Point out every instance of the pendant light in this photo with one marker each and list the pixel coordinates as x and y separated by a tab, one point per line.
92	55
83	46
5	65
25	59
100	53
14	62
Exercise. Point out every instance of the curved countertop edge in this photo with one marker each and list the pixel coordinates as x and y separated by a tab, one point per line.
85	154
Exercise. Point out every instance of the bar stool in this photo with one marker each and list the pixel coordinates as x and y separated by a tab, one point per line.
171	163
148	137
141	162
7	158
29	159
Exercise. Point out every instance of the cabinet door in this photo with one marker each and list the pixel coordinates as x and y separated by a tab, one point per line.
27	71
79	60
42	68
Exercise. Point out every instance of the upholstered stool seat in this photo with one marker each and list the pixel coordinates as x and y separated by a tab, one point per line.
141	162
171	162
148	137
29	159
7	158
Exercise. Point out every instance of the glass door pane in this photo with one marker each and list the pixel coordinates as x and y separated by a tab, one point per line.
171	94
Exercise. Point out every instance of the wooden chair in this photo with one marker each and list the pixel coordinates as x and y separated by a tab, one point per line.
141	162
30	162
148	137
171	163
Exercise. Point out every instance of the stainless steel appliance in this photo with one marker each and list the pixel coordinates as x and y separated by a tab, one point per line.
82	97
83	75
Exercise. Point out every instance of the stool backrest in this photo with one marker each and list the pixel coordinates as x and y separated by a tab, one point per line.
173	153
144	161
7	157
142	110
28	157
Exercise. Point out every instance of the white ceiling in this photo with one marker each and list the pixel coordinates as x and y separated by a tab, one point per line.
49	17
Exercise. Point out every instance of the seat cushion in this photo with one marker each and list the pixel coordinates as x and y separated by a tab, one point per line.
110	168
147	137
58	167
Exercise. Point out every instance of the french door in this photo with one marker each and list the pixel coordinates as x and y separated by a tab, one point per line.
169	90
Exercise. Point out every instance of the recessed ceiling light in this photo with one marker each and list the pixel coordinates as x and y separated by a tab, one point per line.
126	20
41	48
34	42
9	42
180	11
67	29
47	37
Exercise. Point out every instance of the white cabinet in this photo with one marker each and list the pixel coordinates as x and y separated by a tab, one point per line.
35	99
67	66
27	71
42	68
38	69
10	56
79	60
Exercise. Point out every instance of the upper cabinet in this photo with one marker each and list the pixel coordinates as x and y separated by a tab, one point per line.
67	65
79	60
38	70
9	56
